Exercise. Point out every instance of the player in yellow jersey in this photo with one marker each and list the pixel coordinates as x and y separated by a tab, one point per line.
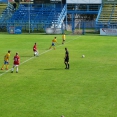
63	38
6	60
53	43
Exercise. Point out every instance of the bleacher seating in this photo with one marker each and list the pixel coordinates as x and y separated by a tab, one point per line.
2	8
33	16
6	11
37	16
114	16
107	16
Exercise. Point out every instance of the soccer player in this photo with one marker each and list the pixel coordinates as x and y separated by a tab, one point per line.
63	38
16	63
66	59
6	60
53	43
35	50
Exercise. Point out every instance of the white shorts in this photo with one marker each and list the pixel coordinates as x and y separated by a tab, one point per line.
16	65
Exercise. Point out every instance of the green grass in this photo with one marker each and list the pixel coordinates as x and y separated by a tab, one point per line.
43	88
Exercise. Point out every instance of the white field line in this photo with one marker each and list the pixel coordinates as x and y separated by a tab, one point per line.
39	55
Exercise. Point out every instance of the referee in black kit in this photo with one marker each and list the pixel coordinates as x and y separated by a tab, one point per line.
66	59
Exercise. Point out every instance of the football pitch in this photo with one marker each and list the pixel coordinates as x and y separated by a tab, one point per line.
44	88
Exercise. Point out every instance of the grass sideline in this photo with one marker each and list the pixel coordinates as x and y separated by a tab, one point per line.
43	88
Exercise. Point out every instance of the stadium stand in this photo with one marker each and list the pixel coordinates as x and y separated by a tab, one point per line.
113	19
2	10
6	11
107	16
33	17
38	16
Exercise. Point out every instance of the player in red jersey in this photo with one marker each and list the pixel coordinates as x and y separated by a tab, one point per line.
16	63
35	50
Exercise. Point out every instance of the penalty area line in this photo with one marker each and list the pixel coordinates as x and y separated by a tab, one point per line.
39	55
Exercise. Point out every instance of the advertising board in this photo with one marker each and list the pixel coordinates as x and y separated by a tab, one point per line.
108	31
15	30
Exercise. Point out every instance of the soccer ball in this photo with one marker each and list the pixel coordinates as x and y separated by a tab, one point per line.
83	56
36	54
